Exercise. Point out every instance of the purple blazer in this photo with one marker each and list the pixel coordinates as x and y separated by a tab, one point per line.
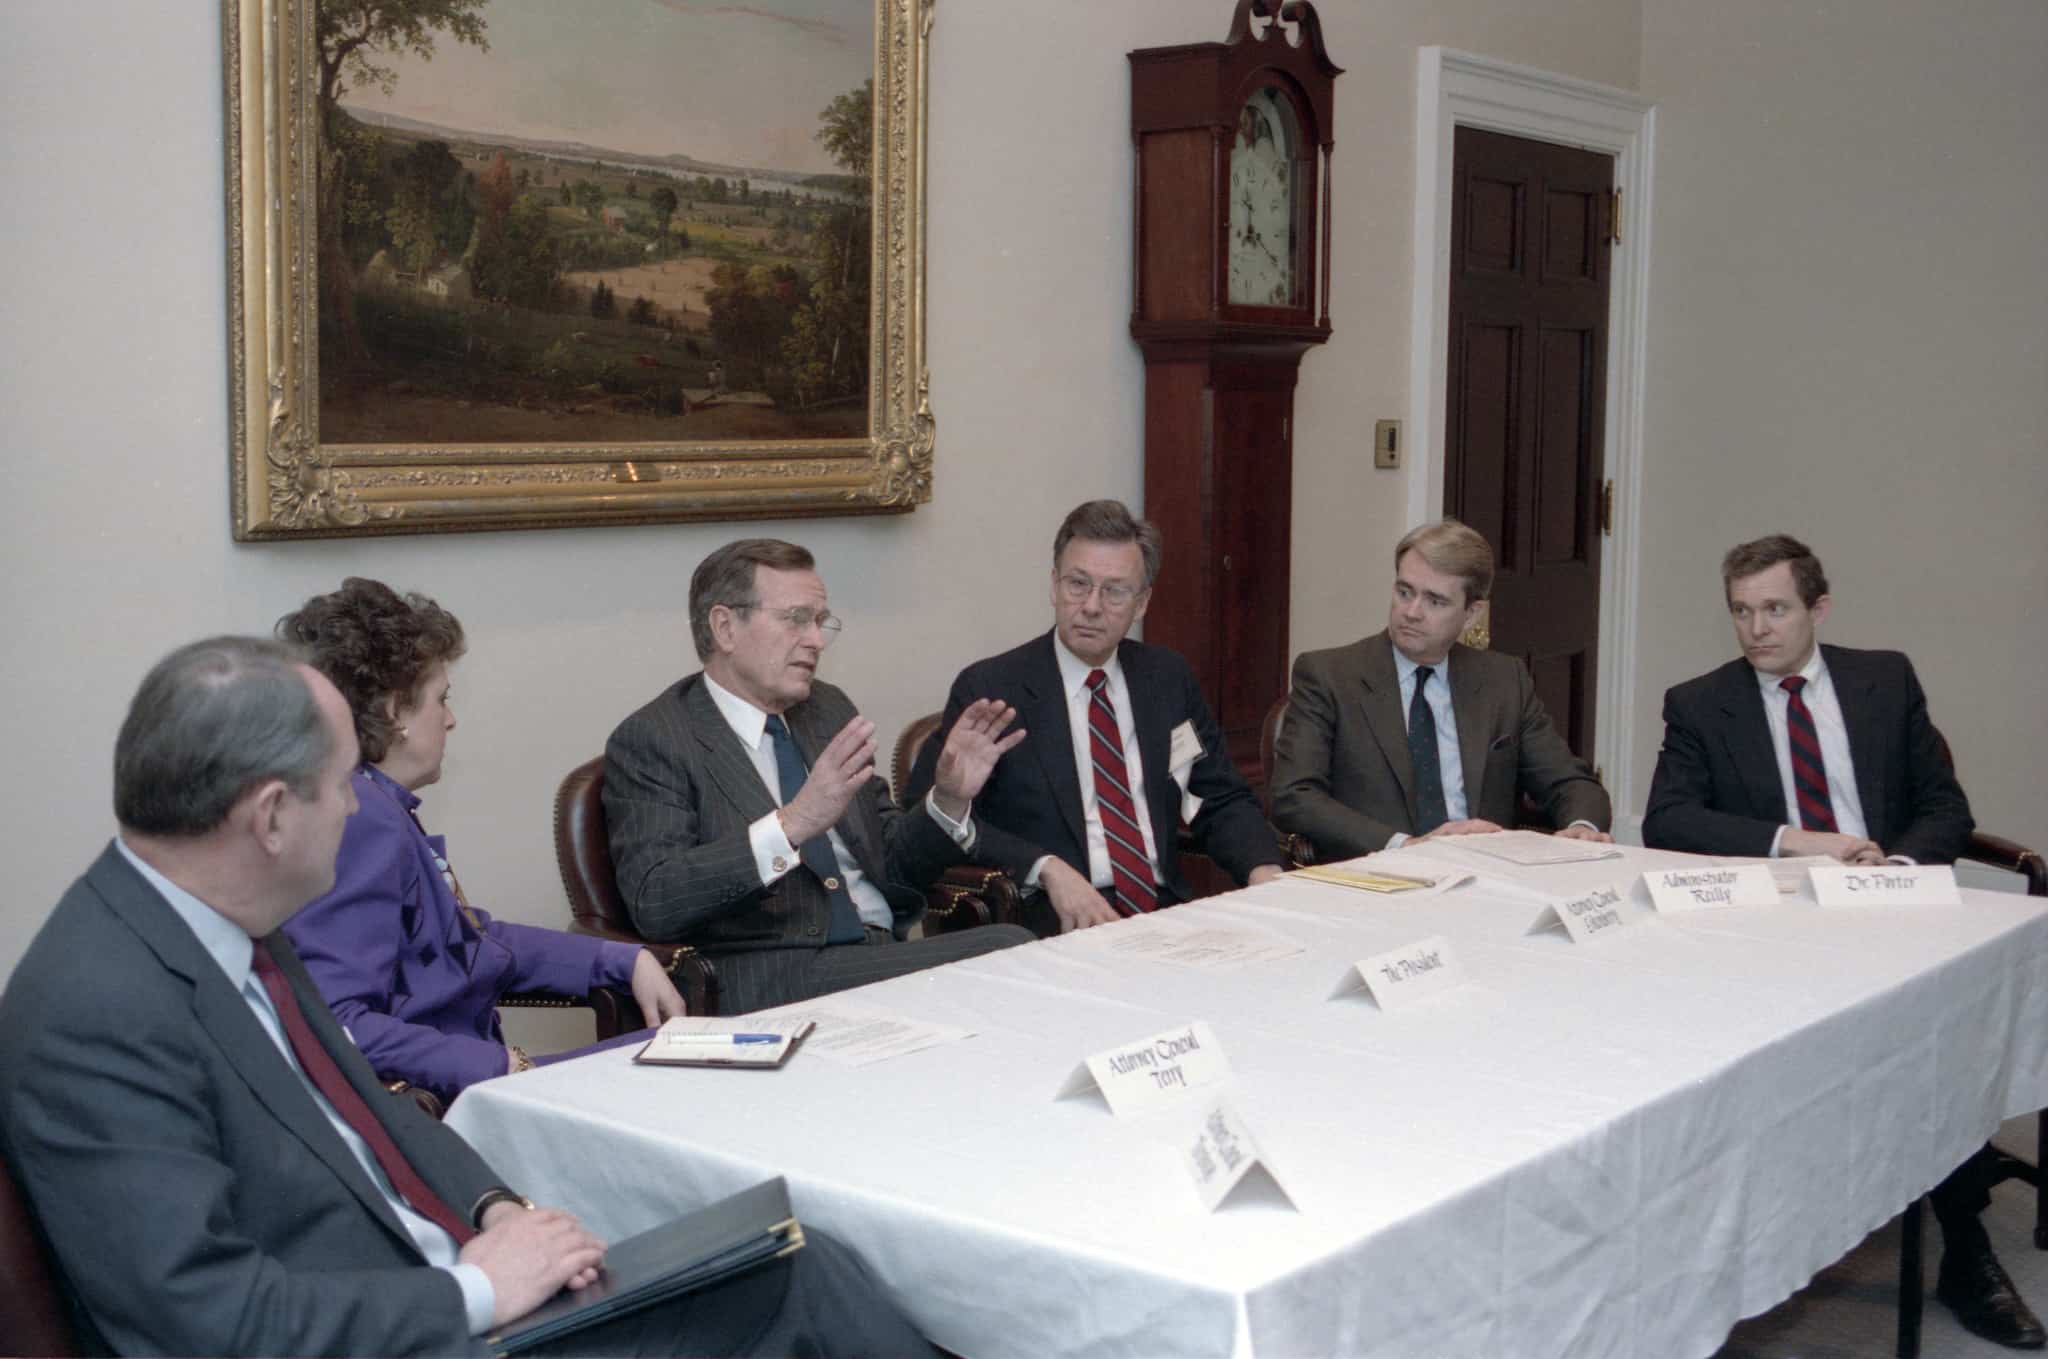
404	972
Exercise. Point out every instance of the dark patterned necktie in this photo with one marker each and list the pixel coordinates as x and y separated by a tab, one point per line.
1130	871
1429	773
816	852
320	1068
1809	771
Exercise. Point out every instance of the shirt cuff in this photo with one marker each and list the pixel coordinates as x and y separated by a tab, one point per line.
961	831
1037	869
1777	839
1905	860
479	1299
1582	821
1396	840
774	856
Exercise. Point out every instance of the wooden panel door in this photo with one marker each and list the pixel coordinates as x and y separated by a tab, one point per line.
1530	225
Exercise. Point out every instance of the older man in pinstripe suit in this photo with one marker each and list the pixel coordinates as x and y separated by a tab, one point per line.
745	813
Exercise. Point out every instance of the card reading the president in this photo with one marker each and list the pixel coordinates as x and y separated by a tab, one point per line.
1402	976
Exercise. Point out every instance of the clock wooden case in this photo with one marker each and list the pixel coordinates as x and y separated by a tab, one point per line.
1232	286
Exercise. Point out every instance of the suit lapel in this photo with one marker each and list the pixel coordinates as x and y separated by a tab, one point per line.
1043	712
1747	734
1472	707
725	760
1380	696
1155	744
225	1016
1856	694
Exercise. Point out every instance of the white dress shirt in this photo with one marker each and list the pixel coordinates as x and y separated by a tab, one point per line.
229	947
1438	696
774	855
1834	747
1074	679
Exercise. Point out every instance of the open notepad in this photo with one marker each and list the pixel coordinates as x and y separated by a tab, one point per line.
688	1040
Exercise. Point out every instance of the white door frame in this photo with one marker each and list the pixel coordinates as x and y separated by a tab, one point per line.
1458	89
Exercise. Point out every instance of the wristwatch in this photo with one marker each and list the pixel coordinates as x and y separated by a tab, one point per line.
520	1061
493	1196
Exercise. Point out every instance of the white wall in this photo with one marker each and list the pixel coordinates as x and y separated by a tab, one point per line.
1847	307
114	526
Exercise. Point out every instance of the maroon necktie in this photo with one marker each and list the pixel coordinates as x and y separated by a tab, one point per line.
1129	870
327	1078
1809	773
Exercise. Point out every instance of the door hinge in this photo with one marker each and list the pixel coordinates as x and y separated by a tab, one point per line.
1607	508
1614	220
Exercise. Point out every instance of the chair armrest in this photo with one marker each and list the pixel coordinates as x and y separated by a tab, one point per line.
692	972
970	895
2000	852
429	1102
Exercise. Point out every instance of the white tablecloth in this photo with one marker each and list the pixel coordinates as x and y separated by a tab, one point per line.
1612	1148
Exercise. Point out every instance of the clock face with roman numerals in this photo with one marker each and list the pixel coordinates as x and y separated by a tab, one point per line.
1263	193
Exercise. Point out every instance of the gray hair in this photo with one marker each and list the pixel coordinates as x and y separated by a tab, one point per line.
1109	521
212	720
727	577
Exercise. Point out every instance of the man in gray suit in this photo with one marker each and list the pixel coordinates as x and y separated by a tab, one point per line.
214	1165
1411	734
745	814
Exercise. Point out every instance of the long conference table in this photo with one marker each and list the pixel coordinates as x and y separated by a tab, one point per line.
1616	1147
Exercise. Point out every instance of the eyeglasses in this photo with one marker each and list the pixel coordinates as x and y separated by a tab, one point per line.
801	618
1075	589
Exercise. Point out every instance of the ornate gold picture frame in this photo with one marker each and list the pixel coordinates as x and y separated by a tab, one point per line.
529	331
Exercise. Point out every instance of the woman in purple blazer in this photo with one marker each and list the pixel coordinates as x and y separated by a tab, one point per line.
412	970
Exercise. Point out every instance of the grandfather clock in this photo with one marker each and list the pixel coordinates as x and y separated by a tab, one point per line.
1231	288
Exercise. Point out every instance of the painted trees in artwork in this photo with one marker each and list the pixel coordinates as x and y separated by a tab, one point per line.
827	346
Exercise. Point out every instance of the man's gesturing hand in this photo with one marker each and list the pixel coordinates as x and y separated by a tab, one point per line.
529	1256
842	768
969	756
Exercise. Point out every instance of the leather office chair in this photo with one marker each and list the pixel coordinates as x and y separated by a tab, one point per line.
583	853
33	1315
965	895
972	894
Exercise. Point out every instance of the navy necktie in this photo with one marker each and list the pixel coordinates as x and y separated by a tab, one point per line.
1429	773
816	852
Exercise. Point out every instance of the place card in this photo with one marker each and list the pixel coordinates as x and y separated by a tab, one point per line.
1404	975
1595	915
1698	889
1152	1071
1224	1155
1886	885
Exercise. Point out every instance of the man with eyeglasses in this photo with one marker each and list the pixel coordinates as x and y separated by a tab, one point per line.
1120	745
1409	733
1799	748
745	814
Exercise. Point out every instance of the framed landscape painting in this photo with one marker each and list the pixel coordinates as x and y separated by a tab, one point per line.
526	264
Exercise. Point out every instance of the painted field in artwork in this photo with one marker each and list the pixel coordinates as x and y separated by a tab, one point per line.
613	221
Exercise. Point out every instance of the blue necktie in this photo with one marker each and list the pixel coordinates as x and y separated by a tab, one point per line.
1429	774
816	852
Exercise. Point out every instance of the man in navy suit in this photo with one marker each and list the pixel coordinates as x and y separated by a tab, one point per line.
215	1167
1119	746
1797	749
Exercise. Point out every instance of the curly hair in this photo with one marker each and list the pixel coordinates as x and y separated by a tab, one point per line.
374	644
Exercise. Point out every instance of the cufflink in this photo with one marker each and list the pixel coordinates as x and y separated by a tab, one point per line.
779	864
831	884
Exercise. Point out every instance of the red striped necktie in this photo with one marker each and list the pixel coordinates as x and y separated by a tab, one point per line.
320	1068
1130	870
1809	772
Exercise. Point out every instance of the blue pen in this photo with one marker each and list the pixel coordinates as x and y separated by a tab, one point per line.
726	1038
